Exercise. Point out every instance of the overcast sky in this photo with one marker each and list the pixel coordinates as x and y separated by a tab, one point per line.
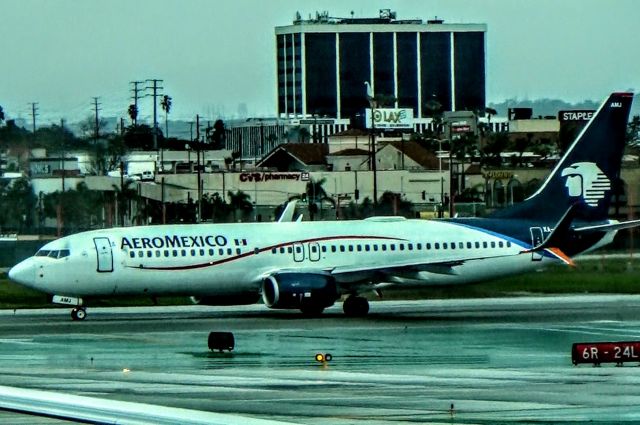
215	56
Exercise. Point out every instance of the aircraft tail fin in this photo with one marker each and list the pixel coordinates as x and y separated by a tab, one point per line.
588	171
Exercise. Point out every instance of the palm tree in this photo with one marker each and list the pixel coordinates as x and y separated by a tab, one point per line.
133	114
303	135
165	103
239	201
315	195
124	194
490	112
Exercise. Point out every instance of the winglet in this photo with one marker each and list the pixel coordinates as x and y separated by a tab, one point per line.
560	229
287	214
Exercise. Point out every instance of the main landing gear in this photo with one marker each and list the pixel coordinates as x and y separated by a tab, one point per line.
78	313
355	306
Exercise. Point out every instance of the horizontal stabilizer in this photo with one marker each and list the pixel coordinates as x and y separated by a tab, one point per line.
609	227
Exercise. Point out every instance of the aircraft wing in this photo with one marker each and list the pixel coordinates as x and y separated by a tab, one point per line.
440	267
98	410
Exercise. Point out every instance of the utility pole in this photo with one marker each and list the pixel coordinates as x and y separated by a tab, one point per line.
155	94
135	98
372	152
198	167
64	151
97	123
34	114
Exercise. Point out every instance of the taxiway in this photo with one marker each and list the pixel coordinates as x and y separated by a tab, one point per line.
502	360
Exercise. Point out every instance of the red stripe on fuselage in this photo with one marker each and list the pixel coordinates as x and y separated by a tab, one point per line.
254	252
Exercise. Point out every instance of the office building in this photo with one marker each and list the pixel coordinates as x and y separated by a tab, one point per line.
322	64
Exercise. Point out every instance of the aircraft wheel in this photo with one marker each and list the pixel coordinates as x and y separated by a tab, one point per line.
78	314
355	306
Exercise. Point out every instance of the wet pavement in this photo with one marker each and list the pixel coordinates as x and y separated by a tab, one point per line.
496	360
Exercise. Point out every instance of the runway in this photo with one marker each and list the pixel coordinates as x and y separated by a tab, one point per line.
496	360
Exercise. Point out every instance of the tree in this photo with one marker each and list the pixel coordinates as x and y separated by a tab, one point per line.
215	207
490	112
466	145
124	195
165	103
491	153
391	203
315	196
77	208
57	139
12	136
633	131
108	157
218	137
239	201
520	145
303	135
88	127
140	137
133	114
1	115
18	204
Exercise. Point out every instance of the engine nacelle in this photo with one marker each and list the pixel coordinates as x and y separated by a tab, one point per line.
297	290
244	298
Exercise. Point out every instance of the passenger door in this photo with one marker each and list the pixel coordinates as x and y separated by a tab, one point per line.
105	255
536	239
298	252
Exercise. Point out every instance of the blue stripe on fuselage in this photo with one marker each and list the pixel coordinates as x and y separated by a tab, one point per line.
513	240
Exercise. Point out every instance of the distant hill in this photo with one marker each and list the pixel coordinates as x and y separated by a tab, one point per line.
544	107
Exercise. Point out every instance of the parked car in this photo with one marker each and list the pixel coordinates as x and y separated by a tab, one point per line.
147	176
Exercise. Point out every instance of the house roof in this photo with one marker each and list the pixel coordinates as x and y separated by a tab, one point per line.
418	153
305	153
351	132
350	152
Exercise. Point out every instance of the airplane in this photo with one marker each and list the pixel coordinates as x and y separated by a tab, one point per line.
310	265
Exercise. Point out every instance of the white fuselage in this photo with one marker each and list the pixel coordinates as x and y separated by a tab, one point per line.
224	259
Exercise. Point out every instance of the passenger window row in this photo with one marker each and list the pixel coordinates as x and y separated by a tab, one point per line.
168	253
393	247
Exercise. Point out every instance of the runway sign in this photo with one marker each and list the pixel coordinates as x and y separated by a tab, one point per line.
605	352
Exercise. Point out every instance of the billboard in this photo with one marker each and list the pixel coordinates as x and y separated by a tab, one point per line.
581	115
390	118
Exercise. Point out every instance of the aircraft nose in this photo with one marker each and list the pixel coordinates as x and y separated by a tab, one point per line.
23	273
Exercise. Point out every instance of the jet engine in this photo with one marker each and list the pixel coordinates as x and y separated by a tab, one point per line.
243	298
310	292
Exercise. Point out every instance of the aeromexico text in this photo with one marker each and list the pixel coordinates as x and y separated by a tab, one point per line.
174	241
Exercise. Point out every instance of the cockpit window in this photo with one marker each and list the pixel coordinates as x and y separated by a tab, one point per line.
53	253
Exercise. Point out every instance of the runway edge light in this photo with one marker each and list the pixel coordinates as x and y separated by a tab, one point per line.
605	352
324	358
